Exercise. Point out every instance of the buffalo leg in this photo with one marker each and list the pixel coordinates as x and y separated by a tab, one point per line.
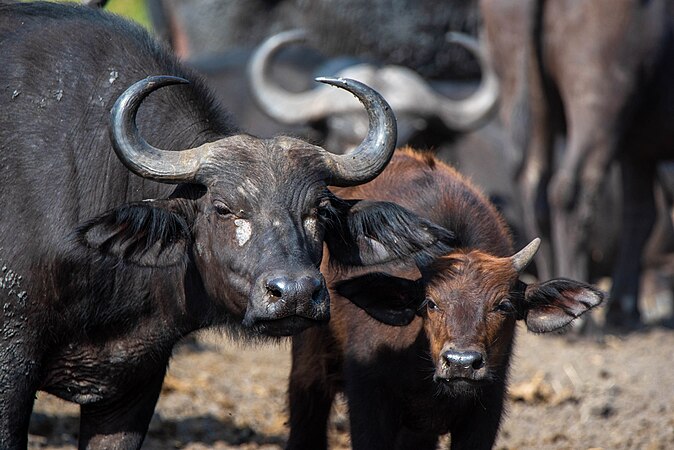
480	424
120	423
408	439
638	220
18	385
599	103
574	193
525	111
373	414
311	389
534	175
20	359
309	414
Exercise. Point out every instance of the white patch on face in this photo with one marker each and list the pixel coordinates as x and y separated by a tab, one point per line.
113	76
243	231
310	226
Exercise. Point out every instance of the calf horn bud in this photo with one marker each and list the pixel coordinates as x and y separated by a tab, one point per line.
521	259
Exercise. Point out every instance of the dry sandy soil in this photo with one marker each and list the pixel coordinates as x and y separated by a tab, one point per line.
564	394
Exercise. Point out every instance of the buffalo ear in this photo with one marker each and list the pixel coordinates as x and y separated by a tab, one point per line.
555	303
388	299
147	233
367	233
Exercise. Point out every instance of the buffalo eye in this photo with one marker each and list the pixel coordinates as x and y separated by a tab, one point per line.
505	306
221	208
323	208
431	305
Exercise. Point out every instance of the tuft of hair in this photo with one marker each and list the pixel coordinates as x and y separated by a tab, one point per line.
375	229
140	233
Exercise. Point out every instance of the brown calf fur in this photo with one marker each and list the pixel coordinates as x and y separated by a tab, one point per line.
424	351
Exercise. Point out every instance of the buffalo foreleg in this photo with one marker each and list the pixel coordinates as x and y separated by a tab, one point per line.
638	219
373	412
18	384
478	426
418	441
310	390
120	423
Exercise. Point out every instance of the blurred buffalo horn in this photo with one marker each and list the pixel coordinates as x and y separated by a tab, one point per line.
473	111
405	90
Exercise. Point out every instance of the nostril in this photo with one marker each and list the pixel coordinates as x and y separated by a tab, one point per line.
276	287
302	289
317	287
478	363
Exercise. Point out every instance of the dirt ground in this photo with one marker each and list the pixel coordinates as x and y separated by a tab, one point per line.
564	394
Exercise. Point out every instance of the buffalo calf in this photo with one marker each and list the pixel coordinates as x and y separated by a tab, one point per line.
423	350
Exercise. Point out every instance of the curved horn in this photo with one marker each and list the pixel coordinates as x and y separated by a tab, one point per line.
372	155
469	113
279	104
137	155
522	258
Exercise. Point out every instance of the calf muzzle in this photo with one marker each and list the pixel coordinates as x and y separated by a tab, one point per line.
461	365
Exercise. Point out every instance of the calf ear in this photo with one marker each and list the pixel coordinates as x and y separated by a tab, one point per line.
147	233
367	233
390	300
555	303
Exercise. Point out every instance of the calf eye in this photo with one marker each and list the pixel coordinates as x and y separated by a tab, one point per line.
431	305
221	208
505	306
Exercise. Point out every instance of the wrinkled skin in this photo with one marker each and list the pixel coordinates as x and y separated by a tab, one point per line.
598	74
103	271
426	355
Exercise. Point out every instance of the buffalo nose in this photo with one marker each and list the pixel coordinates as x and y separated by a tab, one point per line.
467	360
288	289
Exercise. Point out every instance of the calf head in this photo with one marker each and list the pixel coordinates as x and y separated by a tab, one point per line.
251	215
469	302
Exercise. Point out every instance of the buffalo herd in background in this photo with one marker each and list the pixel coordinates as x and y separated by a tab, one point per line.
152	189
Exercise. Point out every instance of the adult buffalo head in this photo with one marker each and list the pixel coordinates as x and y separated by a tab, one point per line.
469	302
249	216
413	99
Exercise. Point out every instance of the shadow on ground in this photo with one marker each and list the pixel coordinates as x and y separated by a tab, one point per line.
62	431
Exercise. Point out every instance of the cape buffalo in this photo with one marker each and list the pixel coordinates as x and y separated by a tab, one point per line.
435	358
105	265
